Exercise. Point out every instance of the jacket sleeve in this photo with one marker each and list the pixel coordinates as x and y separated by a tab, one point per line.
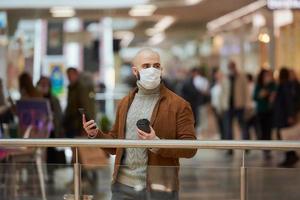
184	131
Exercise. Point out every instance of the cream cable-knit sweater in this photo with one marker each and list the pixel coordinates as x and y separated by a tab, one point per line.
134	163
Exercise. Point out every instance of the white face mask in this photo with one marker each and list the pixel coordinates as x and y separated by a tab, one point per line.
150	78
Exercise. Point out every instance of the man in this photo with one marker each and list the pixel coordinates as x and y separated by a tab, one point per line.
191	94
80	95
237	100
141	173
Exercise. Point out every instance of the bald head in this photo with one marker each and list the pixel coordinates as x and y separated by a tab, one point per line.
144	58
145	55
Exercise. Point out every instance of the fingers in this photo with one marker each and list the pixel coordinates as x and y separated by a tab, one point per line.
91	126
86	124
141	136
146	136
141	132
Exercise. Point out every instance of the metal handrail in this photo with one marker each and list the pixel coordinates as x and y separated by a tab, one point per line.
187	144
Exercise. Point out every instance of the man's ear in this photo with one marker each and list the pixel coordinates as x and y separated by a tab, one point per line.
134	70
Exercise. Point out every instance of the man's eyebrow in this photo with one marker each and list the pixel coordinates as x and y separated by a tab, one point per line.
148	63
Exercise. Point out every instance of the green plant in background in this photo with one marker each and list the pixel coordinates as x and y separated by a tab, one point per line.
105	123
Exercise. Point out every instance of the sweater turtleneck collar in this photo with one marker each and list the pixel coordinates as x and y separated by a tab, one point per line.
144	91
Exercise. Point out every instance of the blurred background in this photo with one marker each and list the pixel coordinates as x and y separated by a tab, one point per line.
101	37
215	54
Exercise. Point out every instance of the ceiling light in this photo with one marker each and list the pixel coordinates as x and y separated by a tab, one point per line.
150	31
164	23
156	39
192	2
160	26
142	10
221	21
76	4
126	37
283	4
264	37
62	11
258	20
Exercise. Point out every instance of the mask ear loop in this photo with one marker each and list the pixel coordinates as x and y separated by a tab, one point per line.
138	76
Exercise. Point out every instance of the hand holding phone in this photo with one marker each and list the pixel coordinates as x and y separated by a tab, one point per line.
82	112
87	118
144	125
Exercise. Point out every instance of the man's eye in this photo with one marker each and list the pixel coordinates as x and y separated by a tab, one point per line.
157	66
146	66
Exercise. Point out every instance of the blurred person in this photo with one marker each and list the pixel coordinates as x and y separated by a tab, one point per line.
101	88
219	99
285	115
44	86
191	94
202	85
53	156
6	110
170	83
30	93
237	100
26	87
80	95
295	88
264	94
250	112
152	173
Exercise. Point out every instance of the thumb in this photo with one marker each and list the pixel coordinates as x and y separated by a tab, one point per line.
83	118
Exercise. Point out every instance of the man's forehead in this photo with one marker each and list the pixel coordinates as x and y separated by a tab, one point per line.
145	56
149	57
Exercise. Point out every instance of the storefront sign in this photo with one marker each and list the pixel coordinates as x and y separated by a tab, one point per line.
284	4
57	78
55	38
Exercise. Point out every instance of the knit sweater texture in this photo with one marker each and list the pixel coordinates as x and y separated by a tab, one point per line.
134	162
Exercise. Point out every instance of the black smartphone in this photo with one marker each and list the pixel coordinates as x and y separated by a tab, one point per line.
87	118
82	112
144	125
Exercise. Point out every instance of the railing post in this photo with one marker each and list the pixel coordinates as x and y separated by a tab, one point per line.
76	176
243	181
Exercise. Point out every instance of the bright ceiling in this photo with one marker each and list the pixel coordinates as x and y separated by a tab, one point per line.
190	16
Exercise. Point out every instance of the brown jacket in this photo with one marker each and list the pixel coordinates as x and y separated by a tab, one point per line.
172	118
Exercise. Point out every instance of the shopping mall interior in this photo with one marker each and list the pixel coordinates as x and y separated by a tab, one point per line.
233	64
